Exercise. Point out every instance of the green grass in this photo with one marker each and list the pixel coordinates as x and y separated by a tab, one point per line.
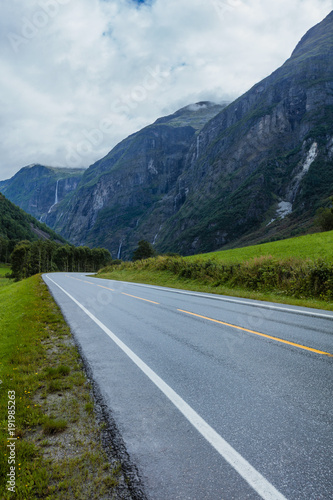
168	279
58	454
4	269
296	271
311	246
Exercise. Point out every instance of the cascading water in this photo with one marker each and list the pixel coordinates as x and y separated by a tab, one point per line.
56	201
119	250
56	193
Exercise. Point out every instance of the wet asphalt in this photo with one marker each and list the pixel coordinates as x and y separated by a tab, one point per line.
215	398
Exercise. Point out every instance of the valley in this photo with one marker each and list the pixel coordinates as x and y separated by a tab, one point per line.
209	175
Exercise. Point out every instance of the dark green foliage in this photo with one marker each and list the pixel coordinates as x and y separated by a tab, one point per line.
21	260
29	258
144	251
325	218
6	248
15	224
289	276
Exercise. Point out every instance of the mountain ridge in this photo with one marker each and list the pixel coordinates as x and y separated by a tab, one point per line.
205	177
37	188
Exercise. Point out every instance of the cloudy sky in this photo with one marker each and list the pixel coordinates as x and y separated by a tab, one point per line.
78	76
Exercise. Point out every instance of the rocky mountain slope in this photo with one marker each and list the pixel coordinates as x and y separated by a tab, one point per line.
117	191
37	188
263	165
211	176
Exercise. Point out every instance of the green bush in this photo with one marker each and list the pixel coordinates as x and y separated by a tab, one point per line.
290	276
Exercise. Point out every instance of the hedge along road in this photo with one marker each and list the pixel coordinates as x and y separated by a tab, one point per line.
215	398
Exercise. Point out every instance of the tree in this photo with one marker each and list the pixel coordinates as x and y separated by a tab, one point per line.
4	250
62	257
20	260
144	251
100	258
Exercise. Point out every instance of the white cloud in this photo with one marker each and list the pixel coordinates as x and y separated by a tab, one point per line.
78	76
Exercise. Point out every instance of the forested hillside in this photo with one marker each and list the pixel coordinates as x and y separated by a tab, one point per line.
16	225
31	247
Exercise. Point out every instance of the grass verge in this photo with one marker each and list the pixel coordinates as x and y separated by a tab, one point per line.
257	280
46	406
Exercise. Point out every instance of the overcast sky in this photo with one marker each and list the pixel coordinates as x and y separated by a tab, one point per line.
78	76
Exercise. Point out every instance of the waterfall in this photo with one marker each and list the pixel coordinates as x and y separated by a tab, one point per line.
56	201
155	238
198	146
56	193
119	250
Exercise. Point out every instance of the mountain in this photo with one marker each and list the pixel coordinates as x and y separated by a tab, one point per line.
117	191
212	176
16	225
263	165
37	188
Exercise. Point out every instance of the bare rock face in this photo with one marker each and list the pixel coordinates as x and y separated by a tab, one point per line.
37	188
208	175
269	147
117	192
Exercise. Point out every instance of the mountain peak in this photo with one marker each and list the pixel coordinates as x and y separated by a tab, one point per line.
318	40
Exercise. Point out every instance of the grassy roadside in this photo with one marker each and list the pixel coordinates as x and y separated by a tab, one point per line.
297	271
167	279
56	452
144	272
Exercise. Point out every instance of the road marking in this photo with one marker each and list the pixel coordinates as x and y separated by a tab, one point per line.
78	279
83	281
140	298
107	288
258	333
263	487
236	301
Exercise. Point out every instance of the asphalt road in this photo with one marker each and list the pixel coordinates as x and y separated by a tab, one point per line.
216	398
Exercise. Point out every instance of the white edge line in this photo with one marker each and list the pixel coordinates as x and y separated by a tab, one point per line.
235	301
265	489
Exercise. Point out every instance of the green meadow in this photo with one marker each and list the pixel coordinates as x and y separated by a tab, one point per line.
295	271
311	246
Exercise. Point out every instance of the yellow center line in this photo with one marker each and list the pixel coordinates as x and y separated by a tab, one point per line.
107	288
258	333
89	283
135	297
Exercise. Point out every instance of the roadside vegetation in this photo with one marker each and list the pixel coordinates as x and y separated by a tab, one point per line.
30	258
58	452
297	271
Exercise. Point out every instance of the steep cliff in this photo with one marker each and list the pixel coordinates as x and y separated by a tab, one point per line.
208	175
116	192
263	164
37	189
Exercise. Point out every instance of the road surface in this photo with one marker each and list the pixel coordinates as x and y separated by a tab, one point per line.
216	398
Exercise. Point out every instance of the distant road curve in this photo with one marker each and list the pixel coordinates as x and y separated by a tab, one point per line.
216	398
